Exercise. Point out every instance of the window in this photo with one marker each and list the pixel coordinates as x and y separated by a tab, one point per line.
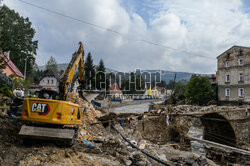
227	63
241	77
241	92
241	61
227	92
52	81
241	53
227	78
48	81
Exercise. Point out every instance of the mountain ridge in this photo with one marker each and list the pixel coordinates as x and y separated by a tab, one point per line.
166	75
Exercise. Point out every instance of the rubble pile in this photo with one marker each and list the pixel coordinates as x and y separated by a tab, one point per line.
101	146
178	109
90	114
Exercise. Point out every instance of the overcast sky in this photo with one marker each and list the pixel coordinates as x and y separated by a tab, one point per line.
192	28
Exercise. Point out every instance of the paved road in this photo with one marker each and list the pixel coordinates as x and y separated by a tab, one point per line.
138	108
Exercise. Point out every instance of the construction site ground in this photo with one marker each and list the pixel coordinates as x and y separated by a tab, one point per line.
99	144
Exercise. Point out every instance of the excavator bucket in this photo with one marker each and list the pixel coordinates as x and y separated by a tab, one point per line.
47	133
89	96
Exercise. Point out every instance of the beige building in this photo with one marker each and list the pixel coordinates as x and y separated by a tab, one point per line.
234	75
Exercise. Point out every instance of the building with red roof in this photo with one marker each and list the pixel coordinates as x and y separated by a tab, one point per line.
11	68
115	91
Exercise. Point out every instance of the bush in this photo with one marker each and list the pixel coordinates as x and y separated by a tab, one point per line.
5	81
6	92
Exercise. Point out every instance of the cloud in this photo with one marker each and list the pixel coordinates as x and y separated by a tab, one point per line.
202	27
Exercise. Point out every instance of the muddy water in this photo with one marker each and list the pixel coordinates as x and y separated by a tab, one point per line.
197	147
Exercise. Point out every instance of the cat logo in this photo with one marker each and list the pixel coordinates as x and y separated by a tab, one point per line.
41	109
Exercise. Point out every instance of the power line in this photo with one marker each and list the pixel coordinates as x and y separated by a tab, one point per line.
113	31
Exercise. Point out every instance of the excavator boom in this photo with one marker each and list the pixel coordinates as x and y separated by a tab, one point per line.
67	78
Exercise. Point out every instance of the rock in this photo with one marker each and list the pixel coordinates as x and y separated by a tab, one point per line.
141	163
195	164
136	157
128	162
142	146
82	132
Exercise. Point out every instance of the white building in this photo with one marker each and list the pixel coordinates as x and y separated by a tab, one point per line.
50	81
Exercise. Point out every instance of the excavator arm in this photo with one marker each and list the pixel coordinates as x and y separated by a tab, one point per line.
77	61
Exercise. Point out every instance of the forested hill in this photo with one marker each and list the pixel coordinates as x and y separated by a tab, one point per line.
166	75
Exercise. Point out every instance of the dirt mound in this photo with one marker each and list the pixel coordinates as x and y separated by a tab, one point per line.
87	131
78	155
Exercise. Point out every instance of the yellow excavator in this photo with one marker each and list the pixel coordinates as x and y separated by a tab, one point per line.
50	116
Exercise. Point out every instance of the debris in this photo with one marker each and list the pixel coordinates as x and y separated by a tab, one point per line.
247	112
86	142
96	146
142	146
167	120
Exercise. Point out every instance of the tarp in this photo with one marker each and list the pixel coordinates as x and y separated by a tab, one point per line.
96	103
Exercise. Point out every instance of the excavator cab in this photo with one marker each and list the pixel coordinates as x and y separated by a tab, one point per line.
47	94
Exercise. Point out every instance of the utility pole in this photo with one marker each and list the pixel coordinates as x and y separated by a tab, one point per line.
25	68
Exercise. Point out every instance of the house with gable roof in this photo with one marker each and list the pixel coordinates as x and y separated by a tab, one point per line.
11	68
50	80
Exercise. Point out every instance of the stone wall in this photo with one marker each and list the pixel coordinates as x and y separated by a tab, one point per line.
235	116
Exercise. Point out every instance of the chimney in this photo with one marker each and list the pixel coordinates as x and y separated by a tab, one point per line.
7	54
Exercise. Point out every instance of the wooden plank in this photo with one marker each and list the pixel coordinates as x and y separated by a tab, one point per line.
46	133
221	146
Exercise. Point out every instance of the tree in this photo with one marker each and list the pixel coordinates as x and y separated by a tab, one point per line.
2	61
135	85
179	90
101	66
51	64
178	93
162	84
100	76
89	69
17	37
199	90
170	84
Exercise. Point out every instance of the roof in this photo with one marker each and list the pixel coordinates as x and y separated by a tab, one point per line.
233	47
115	88
159	88
13	66
51	73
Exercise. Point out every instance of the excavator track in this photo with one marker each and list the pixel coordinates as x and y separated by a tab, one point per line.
66	136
